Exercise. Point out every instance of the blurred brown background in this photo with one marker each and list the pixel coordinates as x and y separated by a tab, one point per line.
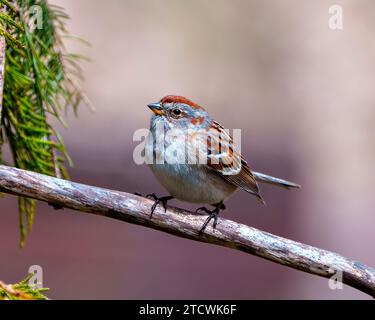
303	96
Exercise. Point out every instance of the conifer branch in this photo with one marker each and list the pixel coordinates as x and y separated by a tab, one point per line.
135	209
39	81
21	291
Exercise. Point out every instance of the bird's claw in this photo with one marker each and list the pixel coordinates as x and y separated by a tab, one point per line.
162	200
213	214
204	209
151	195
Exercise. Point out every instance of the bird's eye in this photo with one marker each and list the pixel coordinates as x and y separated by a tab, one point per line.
176	112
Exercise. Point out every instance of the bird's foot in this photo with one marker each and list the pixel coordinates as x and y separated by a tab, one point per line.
213	214
162	200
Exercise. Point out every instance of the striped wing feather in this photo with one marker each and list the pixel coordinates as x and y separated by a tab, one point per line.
226	161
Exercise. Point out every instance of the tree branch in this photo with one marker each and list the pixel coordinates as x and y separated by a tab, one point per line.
135	209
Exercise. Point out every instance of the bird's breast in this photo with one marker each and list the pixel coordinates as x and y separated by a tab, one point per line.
192	183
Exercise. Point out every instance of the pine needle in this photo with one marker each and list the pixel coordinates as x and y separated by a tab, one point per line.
39	85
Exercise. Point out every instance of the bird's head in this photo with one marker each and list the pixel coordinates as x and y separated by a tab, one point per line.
179	112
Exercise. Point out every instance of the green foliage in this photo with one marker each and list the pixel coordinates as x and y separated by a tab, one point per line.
21	291
40	84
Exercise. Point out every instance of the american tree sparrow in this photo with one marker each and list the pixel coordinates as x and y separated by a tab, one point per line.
196	160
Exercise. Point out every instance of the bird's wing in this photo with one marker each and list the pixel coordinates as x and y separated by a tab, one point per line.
224	159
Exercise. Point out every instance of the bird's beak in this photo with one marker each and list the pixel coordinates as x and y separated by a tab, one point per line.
156	108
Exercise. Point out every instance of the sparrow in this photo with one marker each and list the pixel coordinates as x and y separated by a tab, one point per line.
221	170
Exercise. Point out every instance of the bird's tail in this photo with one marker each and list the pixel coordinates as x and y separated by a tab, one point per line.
275	181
